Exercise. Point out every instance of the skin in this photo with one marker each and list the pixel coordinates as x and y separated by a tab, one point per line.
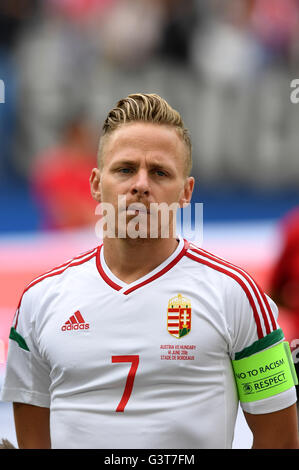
146	163
278	430
32	425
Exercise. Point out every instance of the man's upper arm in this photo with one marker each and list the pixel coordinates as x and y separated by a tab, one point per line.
27	374
277	430
263	366
32	425
27	379
261	358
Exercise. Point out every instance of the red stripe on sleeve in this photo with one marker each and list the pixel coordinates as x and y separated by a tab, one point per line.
257	290
241	283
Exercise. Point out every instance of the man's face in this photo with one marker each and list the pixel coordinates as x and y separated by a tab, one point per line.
145	163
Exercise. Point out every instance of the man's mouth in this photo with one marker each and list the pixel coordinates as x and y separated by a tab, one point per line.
137	208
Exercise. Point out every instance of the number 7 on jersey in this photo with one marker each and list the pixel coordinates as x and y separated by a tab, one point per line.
130	379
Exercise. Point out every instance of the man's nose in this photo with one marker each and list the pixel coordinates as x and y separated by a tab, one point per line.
141	183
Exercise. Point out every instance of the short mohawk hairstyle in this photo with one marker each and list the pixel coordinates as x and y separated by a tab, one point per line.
149	108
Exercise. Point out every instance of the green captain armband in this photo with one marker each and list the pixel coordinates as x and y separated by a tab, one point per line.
265	374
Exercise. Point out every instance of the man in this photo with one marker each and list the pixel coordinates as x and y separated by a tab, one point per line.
140	343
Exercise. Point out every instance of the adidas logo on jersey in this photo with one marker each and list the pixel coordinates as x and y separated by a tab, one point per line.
75	322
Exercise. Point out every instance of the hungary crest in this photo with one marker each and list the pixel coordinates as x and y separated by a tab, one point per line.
179	316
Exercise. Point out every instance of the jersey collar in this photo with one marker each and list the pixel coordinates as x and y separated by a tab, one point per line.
125	288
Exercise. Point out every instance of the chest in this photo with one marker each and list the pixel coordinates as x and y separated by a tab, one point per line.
172	327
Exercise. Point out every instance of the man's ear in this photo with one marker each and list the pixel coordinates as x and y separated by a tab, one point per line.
187	191
94	181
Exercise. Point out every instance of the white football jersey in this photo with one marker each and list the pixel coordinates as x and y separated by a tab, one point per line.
141	365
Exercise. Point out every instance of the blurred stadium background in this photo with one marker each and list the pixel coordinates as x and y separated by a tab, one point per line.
225	65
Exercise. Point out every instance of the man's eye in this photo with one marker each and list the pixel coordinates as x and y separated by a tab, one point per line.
125	170
160	173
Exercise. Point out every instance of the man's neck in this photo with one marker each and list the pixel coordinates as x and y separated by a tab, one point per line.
130	260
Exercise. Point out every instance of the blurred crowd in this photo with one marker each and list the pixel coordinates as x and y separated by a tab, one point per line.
64	63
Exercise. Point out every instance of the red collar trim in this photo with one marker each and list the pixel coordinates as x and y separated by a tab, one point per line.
102	272
146	281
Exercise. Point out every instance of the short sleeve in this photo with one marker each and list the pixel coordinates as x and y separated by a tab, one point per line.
27	374
253	327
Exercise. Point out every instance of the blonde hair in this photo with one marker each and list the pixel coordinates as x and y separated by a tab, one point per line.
147	108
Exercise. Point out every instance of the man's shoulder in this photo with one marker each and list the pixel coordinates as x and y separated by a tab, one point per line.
221	269
213	261
240	287
53	275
